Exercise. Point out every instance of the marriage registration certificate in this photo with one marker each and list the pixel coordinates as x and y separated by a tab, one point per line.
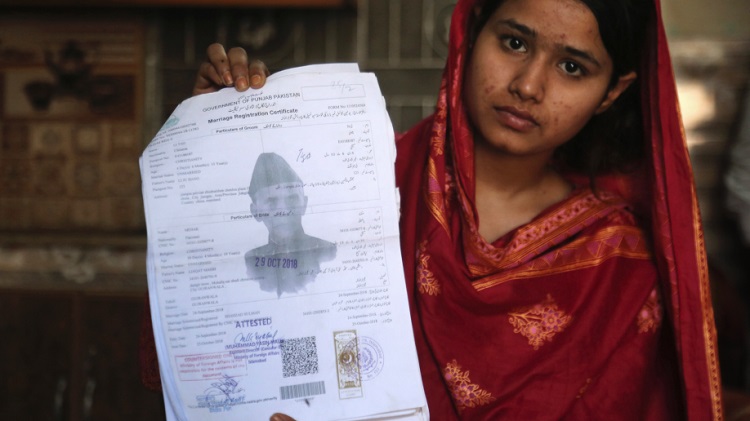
274	269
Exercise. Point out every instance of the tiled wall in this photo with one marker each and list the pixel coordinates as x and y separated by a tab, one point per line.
70	123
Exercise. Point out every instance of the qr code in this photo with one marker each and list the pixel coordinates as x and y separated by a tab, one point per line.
299	356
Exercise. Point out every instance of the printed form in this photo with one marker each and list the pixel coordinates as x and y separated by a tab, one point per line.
274	266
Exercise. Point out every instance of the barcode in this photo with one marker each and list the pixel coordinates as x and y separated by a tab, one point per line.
303	390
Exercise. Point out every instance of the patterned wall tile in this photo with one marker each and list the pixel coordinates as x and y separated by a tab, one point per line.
50	178
49	213
15	177
50	140
15	213
124	142
87	178
14	140
122	213
87	139
121	179
85	213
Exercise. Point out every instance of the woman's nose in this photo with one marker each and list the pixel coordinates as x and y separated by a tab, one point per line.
530	81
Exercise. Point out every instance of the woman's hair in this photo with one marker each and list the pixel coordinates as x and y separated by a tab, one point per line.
613	140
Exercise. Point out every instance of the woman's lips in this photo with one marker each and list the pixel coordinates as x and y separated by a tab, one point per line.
516	119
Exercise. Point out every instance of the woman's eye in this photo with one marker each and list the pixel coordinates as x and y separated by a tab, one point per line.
514	44
571	68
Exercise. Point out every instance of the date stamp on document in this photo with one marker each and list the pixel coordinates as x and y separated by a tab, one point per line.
347	364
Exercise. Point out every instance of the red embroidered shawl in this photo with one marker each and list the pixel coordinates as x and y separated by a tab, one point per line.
561	318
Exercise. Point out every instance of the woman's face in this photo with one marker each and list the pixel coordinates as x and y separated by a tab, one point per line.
537	73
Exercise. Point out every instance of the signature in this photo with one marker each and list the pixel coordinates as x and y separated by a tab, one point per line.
222	395
226	385
342	87
256	337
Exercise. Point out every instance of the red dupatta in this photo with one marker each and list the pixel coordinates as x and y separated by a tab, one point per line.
476	306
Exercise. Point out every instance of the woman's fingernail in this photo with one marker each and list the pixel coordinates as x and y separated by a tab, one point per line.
255	80
241	83
227	78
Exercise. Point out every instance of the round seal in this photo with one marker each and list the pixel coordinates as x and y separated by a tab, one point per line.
371	359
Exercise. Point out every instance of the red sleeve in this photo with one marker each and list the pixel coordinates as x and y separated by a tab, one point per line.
147	352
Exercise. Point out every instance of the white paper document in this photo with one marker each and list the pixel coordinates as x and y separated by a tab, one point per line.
274	268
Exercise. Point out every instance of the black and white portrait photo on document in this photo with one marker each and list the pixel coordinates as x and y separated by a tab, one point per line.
291	258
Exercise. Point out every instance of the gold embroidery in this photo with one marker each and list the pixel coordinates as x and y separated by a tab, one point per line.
532	239
584	252
540	322
426	281
439	125
582	390
649	318
465	393
709	324
433	196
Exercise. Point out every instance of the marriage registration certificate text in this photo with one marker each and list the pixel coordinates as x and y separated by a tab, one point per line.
274	268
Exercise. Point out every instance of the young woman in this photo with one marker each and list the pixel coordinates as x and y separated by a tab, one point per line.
550	230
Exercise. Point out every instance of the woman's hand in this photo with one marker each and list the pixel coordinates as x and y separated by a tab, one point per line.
232	68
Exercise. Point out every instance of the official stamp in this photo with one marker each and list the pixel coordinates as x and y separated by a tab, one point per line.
371	359
347	364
